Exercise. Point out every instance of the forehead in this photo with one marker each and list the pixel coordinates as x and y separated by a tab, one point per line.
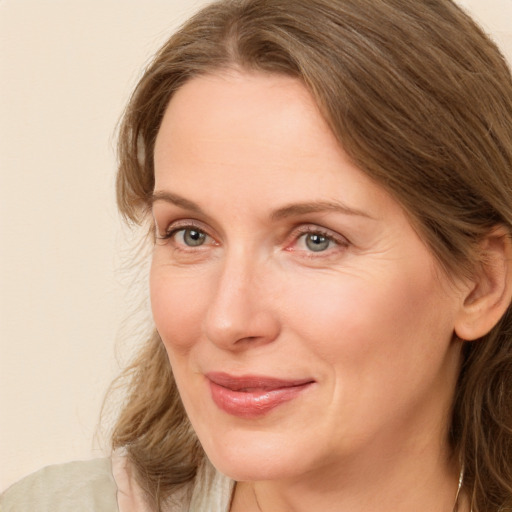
237	105
254	135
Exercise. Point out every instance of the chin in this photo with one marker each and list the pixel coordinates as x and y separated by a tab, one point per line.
251	469
247	461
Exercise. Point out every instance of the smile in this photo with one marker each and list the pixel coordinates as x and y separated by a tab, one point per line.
253	396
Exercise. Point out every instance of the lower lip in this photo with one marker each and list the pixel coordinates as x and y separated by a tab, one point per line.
251	404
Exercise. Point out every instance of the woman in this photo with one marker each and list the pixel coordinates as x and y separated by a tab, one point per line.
328	187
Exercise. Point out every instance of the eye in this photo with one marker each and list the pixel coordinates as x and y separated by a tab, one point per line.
317	242
310	240
187	236
191	237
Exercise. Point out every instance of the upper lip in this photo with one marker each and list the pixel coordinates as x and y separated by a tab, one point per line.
243	382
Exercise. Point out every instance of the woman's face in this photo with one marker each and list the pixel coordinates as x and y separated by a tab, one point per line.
307	324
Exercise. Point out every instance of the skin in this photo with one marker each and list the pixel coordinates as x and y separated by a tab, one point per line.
370	317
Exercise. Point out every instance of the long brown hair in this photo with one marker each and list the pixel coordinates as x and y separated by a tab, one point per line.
421	101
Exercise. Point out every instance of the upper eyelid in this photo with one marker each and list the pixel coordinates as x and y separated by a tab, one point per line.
313	228
184	224
167	210
177	229
164	219
172	228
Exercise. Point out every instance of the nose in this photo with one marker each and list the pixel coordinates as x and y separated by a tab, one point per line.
241	313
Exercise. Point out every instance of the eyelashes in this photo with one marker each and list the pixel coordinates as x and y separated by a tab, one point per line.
306	239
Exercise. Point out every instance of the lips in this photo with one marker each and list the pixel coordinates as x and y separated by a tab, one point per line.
251	396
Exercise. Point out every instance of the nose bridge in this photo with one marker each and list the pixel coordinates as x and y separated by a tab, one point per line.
239	310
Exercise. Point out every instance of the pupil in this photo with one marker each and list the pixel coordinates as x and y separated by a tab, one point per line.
317	242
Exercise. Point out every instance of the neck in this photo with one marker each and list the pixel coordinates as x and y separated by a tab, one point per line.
396	484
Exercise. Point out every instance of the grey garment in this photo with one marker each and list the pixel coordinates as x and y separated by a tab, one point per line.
89	486
75	486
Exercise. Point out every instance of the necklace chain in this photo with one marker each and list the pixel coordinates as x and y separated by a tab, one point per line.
459	488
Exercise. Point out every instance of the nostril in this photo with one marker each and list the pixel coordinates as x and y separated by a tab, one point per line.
249	340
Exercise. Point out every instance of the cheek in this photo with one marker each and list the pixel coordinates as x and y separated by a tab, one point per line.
382	345
177	306
359	320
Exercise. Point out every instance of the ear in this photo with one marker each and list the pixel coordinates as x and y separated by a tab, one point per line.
490	292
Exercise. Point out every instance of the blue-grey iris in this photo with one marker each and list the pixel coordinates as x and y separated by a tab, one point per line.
316	242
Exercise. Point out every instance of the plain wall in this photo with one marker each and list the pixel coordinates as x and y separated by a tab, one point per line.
66	70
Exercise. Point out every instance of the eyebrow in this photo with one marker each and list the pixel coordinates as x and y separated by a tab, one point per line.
177	200
317	207
279	214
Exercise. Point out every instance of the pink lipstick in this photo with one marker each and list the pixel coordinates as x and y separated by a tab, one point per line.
251	396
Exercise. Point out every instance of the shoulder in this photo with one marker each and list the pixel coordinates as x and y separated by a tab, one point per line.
78	486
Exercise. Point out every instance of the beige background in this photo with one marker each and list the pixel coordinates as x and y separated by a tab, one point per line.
66	298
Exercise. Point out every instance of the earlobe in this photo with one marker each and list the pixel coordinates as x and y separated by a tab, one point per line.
491	291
